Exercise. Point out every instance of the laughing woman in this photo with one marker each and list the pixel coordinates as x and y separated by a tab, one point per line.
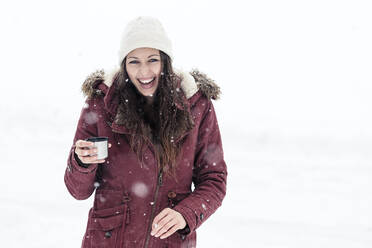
163	137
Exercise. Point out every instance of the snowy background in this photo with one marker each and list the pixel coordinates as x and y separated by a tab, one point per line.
295	114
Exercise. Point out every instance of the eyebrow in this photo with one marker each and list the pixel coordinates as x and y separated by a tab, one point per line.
147	57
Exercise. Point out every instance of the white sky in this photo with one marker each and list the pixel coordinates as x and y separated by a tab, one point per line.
293	67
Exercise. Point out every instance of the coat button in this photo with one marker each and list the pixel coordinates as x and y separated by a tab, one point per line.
183	237
201	216
171	194
108	234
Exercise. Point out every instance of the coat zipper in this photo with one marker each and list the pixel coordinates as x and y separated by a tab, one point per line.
159	183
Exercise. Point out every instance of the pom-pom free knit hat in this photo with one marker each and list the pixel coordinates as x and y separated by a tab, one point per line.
144	31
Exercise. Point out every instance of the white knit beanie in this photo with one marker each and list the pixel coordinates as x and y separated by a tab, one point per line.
144	31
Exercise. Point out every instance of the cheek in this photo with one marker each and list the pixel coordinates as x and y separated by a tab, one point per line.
131	73
156	69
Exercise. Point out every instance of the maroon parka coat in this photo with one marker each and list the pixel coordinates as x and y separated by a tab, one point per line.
130	193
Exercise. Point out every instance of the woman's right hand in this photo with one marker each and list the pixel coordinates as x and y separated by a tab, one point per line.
87	152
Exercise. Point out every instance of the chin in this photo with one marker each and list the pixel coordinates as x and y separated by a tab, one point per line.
148	95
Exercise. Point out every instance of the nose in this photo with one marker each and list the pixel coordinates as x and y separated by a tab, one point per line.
144	71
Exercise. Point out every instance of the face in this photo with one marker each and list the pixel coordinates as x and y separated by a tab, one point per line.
143	66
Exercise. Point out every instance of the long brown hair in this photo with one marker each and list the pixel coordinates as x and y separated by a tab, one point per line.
169	120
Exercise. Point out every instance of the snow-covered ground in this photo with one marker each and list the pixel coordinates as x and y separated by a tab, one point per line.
295	114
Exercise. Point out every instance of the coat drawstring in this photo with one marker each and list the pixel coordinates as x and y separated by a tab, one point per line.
126	220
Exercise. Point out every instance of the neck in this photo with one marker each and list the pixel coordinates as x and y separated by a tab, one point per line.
149	100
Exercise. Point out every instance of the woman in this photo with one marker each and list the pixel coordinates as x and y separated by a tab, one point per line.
163	136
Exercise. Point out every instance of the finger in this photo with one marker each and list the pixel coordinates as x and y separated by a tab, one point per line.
85	152
84	143
88	159
161	215
160	227
166	227
91	159
170	232
109	145
181	222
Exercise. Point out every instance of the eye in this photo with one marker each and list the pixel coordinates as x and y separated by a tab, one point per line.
153	60
133	62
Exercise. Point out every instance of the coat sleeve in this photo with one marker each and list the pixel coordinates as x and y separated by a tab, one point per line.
80	180
209	174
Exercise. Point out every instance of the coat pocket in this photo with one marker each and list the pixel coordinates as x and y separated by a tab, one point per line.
107	198
106	226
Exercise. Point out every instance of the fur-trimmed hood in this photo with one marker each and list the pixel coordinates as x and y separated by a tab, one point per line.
191	83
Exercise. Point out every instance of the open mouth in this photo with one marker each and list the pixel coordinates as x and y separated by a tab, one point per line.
146	84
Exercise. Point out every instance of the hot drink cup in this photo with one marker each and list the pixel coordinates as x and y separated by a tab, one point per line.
101	143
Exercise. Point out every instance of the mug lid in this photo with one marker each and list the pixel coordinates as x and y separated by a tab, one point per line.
95	139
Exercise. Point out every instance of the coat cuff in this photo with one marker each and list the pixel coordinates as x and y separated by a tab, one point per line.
186	230
76	164
80	163
189	216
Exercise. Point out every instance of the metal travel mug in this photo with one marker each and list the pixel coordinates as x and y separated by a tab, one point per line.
101	143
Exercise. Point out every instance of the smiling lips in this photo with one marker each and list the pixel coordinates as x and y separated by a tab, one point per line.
147	83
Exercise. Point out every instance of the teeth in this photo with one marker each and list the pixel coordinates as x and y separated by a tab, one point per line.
146	81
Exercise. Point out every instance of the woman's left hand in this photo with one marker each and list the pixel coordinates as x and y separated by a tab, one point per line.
166	223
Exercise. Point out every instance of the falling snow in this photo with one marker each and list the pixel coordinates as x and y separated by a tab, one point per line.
140	189
314	162
91	118
213	154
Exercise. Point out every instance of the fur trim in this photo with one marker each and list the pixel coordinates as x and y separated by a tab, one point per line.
191	83
89	88
206	85
188	83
